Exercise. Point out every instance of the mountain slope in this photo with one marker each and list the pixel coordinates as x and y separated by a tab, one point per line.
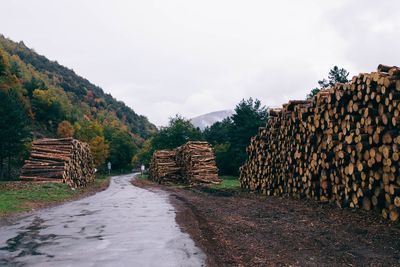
40	98
209	119
88	101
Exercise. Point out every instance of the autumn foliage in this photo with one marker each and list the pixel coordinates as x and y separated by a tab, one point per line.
65	129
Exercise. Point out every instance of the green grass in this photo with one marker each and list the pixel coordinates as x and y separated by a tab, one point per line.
18	199
22	197
101	176
228	182
143	176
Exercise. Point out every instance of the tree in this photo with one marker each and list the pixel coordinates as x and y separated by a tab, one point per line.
178	132
33	84
4	63
231	136
248	117
335	76
87	130
48	106
14	129
122	149
223	158
144	154
93	133
218	133
99	149
65	129
7	80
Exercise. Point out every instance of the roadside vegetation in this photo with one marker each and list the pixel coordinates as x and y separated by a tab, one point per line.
143	176
228	182
21	196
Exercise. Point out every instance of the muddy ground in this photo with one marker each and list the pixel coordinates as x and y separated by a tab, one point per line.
242	229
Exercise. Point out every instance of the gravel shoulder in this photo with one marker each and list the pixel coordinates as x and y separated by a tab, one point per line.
241	229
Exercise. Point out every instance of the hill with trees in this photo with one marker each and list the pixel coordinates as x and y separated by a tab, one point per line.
41	98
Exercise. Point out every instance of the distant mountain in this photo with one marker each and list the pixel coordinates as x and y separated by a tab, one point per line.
209	119
54	93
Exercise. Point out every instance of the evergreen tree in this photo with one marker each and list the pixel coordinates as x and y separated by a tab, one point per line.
335	76
248	117
13	130
218	133
231	136
178	132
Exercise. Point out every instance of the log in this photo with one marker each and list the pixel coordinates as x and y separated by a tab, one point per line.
59	160
191	163
340	147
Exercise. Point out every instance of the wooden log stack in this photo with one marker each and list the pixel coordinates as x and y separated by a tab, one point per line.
65	160
191	163
342	146
197	162
163	167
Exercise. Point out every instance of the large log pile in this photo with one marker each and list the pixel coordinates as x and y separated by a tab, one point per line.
63	160
342	146
197	162
191	163
163	167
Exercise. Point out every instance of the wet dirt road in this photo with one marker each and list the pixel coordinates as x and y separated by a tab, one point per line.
121	226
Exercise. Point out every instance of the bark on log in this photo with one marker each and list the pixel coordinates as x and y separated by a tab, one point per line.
191	163
342	147
59	160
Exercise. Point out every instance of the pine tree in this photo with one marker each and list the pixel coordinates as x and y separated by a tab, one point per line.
335	76
248	117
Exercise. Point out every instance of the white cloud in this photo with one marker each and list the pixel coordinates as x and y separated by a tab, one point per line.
194	57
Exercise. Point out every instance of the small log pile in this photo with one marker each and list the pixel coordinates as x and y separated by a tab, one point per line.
197	162
342	146
65	160
163	167
191	163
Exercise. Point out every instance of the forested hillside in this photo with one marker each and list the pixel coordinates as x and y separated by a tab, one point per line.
41	98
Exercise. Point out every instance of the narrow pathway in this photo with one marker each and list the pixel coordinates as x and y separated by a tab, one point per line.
121	226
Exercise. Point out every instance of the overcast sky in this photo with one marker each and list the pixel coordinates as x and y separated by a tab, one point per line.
193	57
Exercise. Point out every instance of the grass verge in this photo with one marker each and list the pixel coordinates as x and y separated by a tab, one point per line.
22	196
143	176
228	182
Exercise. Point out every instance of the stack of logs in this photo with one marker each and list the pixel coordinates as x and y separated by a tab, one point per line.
191	163
63	160
342	146
163	167
197	162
